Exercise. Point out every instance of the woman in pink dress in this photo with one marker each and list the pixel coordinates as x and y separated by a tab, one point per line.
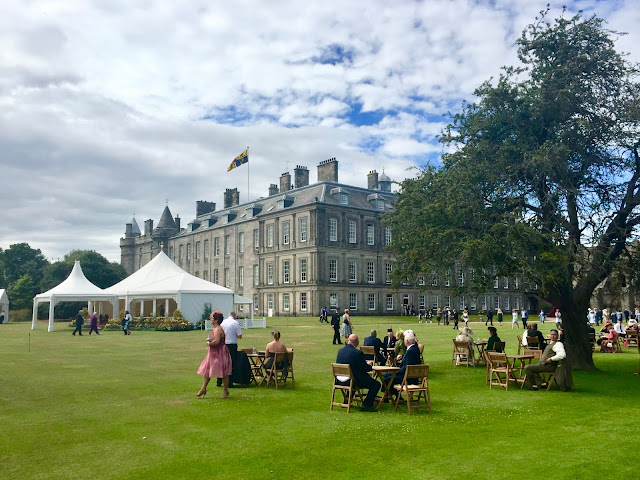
217	363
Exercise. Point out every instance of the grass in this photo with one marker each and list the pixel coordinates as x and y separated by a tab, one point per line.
116	407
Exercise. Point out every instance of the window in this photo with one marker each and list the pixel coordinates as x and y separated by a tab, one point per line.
227	244
215	277
241	242
206	249
372	301
286	228
286	267
473	303
460	276
388	268
422	301
370	234
516	303
216	247
505	282
256	239
380	204
197	274
256	275
462	304
447	301
344	199
269	235
197	250
496	282
270	301
483	303
447	279
241	276
389	301
421	280
303	229
472	274
303	269
507	306
270	273
205	275
387	236
434	280
352	271
353	301
333	300
371	272
435	302
496	302
226	278
333	230
352	231
303	301
171	254
333	270
255	302
285	302
188	252
180	253
515	282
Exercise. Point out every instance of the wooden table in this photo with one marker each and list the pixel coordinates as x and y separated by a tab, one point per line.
480	349
391	357
519	368
257	366
380	370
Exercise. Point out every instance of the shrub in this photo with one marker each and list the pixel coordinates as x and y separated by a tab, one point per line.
153	323
21	315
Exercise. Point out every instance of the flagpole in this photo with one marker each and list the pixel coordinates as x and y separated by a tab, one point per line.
248	175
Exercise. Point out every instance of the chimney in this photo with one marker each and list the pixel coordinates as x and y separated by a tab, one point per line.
273	189
202	207
148	227
300	176
177	222
328	170
372	180
231	197
285	182
128	230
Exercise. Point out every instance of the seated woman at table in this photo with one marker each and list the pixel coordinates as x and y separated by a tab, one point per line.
465	335
400	348
608	343
276	346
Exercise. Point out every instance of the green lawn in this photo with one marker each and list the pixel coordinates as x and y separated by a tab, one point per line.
123	408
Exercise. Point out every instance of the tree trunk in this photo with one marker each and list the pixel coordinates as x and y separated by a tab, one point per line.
576	338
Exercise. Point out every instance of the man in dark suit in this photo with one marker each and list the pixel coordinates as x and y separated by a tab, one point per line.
412	357
349	354
79	323
534	332
373	341
335	323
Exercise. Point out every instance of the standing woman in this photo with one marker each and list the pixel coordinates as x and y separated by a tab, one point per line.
94	324
346	324
514	319
500	316
465	317
126	321
217	363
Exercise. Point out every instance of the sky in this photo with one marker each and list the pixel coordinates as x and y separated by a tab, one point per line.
110	108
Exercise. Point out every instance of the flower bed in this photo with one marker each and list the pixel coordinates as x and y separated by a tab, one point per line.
165	324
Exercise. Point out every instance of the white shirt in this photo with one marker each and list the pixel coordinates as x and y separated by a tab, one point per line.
231	329
619	328
558	349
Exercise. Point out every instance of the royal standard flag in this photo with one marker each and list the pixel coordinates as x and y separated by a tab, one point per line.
239	160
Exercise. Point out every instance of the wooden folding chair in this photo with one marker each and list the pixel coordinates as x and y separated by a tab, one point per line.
632	338
519	344
274	374
461	353
537	353
256	367
290	368
533	343
421	374
497	347
592	340
350	393
500	373
618	345
369	354
421	348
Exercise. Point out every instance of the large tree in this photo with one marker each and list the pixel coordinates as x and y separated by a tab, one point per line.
541	179
19	260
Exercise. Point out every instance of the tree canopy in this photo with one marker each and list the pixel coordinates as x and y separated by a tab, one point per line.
541	178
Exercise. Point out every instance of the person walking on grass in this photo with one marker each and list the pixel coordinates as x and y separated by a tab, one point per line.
94	324
335	324
217	363
514	319
79	323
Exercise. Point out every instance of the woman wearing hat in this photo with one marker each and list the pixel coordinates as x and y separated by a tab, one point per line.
465	335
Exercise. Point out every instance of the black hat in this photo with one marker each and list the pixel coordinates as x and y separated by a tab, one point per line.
390	330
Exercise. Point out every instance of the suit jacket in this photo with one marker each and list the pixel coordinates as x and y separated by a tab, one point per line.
335	321
389	342
540	337
412	357
375	343
359	366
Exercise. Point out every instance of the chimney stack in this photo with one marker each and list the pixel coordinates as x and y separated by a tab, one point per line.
128	230
202	207
372	180
273	189
177	222
231	197
148	227
328	171
285	182
300	176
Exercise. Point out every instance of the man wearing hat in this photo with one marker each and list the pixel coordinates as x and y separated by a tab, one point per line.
389	341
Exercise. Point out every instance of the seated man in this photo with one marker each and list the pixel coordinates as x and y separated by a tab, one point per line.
493	338
553	353
389	341
534	332
373	341
349	354
411	357
619	328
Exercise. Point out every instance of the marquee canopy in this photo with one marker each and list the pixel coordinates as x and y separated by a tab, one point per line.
4	304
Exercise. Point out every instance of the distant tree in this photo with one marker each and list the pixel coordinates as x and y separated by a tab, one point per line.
22	292
542	179
19	260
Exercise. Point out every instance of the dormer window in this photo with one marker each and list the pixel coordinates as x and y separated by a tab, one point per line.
380	204
344	198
